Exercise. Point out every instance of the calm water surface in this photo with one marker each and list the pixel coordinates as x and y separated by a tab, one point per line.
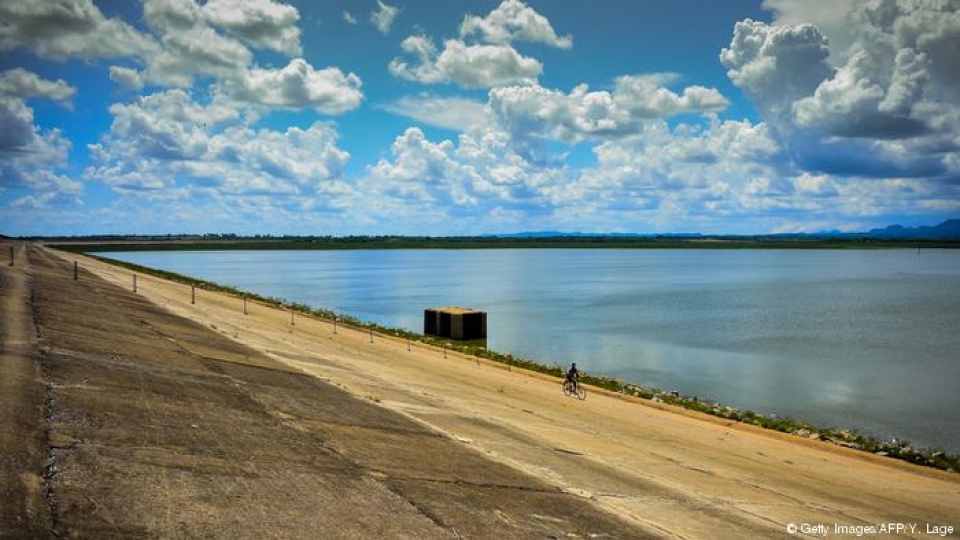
868	339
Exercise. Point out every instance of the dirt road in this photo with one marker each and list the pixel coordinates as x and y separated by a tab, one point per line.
23	510
154	425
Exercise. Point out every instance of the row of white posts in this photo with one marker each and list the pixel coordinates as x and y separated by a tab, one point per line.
193	301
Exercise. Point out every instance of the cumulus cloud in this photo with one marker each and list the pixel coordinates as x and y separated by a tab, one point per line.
491	62
298	86
20	83
34	160
533	114
383	16
853	103
512	21
832	18
470	66
18	129
776	65
262	23
64	29
477	177
880	98
128	78
20	135
30	157
349	18
702	176
165	16
200	51
192	46
455	113
167	143
189	46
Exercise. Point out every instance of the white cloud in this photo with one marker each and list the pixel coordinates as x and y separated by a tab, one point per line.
169	146
460	114
298	86
695	177
470	66
128	78
164	16
197	50
484	66
492	62
881	101
479	182
263	23
30	157
23	84
18	129
64	29
192	46
832	18
513	21
426	182
349	18
854	103
645	96
775	65
28	154
532	112
383	16
34	163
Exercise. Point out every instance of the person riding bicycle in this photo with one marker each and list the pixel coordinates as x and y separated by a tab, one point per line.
573	375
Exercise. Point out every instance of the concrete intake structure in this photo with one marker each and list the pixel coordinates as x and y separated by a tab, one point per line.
455	323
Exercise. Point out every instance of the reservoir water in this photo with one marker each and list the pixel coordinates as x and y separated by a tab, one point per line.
865	339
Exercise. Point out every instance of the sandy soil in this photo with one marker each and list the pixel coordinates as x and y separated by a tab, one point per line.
669	472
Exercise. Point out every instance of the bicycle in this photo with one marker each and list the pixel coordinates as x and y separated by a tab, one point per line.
571	388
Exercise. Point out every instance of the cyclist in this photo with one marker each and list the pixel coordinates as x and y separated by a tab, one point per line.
573	376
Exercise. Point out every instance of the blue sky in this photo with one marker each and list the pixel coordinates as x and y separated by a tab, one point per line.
424	117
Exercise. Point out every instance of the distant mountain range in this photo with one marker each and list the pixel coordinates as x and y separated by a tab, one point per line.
559	234
948	230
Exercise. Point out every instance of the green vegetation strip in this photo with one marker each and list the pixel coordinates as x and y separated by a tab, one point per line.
897	449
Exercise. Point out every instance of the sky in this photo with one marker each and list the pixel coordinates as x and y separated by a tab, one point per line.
477	117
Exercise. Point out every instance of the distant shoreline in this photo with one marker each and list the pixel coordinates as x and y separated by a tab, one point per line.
229	242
